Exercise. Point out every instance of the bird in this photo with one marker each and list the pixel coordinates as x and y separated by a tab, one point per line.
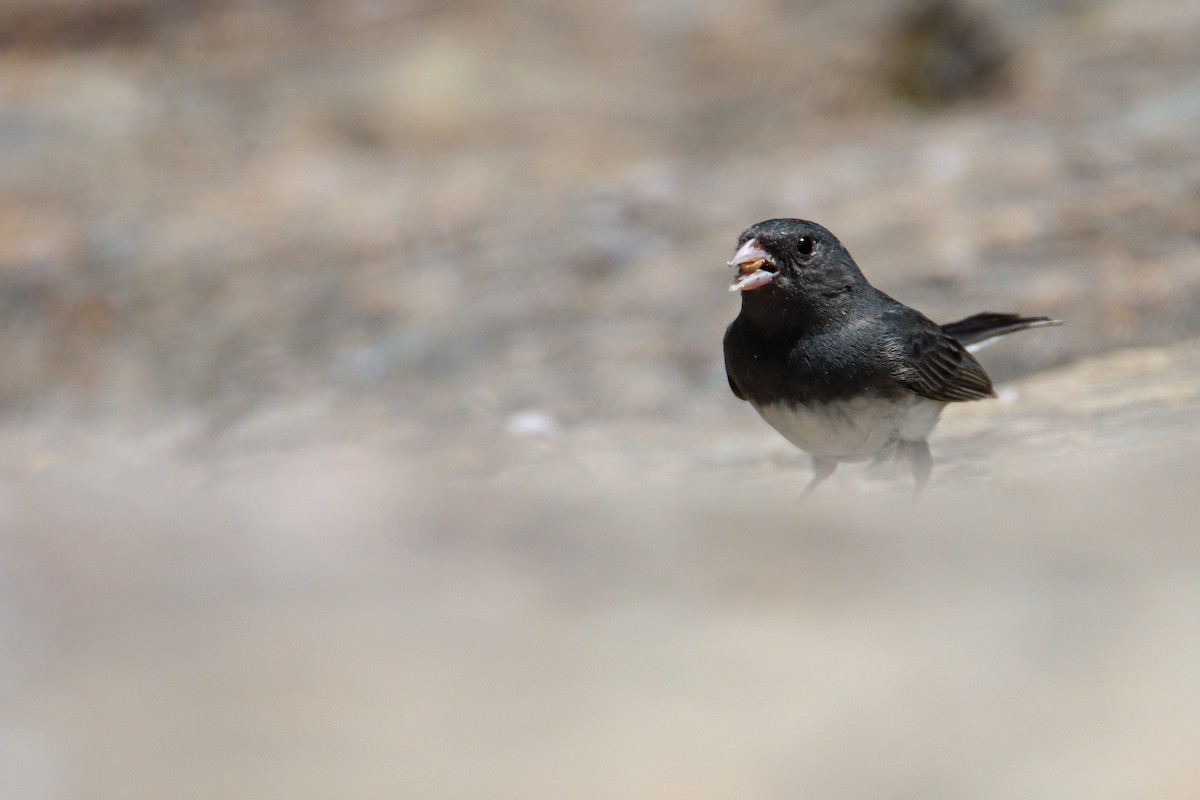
842	370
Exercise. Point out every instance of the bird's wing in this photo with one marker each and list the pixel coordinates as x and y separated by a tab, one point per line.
933	364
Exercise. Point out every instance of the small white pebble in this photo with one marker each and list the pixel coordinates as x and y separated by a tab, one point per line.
1008	394
945	162
531	423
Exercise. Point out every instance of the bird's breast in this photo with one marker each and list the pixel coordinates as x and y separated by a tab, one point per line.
852	429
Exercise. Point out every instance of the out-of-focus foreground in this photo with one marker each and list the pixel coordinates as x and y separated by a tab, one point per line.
365	431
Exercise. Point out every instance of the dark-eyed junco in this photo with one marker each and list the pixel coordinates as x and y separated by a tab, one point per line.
839	368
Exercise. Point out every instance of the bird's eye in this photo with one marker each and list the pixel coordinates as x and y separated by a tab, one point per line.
805	246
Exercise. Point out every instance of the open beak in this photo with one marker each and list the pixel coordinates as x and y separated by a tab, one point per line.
754	267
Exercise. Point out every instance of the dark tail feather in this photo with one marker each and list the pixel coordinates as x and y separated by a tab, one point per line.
973	331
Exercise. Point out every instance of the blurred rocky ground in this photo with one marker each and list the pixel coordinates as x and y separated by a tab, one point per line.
363	429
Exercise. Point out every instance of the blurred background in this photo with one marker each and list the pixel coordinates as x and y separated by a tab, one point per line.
364	430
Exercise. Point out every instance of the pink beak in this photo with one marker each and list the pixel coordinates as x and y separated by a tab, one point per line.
752	264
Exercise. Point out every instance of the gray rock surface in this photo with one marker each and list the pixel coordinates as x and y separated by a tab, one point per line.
617	609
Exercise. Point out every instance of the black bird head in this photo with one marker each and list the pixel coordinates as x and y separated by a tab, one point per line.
795	260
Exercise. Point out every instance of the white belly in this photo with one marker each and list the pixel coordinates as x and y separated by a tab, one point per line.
853	429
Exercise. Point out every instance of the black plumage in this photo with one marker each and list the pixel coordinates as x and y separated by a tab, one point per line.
841	369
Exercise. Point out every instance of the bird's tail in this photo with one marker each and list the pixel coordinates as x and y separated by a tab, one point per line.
980	329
